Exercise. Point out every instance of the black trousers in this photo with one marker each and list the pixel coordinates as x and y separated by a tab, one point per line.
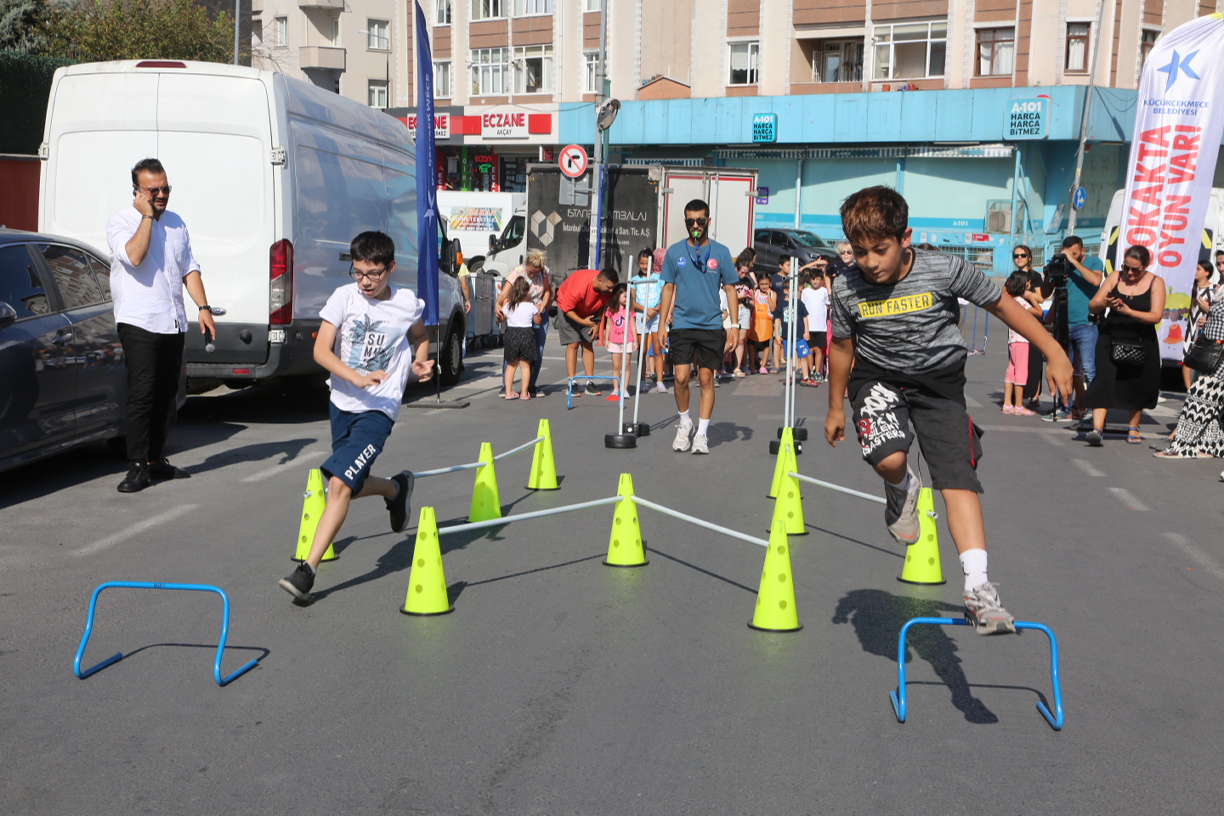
153	363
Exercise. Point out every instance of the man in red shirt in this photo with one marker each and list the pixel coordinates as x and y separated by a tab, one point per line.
581	300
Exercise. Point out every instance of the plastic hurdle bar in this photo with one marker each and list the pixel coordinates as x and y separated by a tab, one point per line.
569	386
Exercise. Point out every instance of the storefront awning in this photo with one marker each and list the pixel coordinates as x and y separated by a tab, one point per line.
982	151
681	156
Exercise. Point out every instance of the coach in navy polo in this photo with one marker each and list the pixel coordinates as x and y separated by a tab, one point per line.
693	272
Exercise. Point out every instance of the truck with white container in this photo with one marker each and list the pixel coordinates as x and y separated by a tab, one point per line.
273	176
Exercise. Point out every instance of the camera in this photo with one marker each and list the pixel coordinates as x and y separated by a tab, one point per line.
1057	270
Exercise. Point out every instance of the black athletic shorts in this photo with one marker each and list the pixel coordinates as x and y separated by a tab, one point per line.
950	442
705	347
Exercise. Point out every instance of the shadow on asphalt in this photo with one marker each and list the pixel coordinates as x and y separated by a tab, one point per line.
702	570
875	547
229	647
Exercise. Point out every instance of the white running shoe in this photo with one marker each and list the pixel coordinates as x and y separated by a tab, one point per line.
681	442
985	612
901	510
660	389
701	443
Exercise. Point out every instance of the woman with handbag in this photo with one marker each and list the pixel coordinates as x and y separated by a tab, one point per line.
1198	434
1128	353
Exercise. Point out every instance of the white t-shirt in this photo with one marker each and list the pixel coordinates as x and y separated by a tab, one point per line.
520	316
817	303
372	335
150	296
1012	335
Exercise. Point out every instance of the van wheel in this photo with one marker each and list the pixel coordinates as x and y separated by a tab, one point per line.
476	265
450	360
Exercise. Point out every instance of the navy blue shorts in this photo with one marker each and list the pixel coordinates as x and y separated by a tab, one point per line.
357	439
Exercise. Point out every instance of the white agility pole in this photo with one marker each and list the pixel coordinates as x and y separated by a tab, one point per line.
481	525
839	488
699	522
638	430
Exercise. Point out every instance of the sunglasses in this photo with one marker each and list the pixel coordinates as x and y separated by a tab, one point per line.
695	222
1019	255
155	190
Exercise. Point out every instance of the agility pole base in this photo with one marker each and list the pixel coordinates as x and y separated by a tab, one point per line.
225	616
898	697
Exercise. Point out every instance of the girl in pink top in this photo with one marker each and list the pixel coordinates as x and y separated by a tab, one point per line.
619	332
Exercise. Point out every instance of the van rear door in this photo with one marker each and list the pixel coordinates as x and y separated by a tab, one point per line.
215	140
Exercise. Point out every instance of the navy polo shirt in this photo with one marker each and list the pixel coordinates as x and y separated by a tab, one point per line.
698	273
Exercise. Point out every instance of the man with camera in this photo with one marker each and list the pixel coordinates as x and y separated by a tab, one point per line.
1075	277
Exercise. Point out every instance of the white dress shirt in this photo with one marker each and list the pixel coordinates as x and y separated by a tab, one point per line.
150	296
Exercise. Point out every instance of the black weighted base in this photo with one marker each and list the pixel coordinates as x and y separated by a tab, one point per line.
621	441
639	430
775	445
799	434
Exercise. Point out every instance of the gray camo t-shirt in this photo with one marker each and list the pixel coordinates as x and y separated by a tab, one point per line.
910	326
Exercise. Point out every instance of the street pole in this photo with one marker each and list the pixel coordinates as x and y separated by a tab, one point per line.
601	95
1079	156
237	17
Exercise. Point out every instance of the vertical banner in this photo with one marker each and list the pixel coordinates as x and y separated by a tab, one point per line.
427	185
1178	125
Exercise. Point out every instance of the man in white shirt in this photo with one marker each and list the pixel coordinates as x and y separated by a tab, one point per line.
151	262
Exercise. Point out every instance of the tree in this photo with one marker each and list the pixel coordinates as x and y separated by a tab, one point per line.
94	31
21	25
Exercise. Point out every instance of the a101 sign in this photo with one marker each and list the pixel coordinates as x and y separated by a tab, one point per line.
1027	119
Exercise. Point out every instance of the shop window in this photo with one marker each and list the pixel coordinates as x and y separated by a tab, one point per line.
377	38
838	61
910	50
488	9
378	93
442	12
490	71
745	58
533	69
1147	41
442	79
1077	48
996	51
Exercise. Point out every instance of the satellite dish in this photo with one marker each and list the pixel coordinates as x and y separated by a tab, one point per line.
607	114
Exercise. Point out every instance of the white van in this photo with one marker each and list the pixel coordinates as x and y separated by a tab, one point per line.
273	176
474	217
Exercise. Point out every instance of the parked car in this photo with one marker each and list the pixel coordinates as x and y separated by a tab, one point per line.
62	381
772	244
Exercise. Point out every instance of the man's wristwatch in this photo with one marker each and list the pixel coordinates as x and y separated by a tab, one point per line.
206	308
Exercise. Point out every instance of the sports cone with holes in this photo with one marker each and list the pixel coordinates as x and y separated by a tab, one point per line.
775	606
788	506
625	544
312	510
922	558
787	462
543	468
427	580
486	500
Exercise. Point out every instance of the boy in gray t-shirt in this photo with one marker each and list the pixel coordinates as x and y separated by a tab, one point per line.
894	319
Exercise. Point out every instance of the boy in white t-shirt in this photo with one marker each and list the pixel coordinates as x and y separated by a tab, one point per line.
371	325
815	297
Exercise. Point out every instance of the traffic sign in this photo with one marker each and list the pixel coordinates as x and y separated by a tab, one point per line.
1079	198
573	161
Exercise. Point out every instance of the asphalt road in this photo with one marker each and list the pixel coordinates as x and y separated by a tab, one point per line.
561	686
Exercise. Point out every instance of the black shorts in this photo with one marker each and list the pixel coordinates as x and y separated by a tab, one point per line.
705	347
950	442
817	340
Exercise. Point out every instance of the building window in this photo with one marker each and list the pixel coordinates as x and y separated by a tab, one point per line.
592	5
490	71
1077	48
838	61
378	93
996	51
1147	41
533	69
526	8
442	12
744	60
377	38
442	79
591	76
488	9
910	50
335	32
280	32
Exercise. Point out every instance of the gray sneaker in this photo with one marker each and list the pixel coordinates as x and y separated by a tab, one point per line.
901	511
660	389
985	612
701	443
1094	438
681	442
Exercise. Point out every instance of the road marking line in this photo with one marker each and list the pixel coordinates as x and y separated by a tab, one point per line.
137	528
971	402
259	476
1087	467
1129	499
1195	553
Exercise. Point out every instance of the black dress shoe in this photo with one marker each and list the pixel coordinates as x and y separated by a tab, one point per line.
165	470
136	480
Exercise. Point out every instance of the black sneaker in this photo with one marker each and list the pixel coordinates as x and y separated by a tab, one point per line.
137	479
165	470
537	393
401	505
591	389
299	582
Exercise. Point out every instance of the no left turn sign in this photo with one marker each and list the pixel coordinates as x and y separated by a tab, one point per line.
573	161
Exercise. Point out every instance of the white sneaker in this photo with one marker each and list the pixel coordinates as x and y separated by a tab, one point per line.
681	442
701	443
660	389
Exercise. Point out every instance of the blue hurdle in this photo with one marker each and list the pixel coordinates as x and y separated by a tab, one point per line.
898	697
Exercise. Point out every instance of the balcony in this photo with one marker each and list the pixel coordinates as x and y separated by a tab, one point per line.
321	58
321	4
257	7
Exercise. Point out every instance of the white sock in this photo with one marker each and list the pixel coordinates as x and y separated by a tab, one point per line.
313	571
904	484
685	420
703	425
973	562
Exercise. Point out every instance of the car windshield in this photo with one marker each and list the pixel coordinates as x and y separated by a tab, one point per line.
807	239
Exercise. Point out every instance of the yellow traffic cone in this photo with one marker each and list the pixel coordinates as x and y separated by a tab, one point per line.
427	580
786	461
543	468
775	606
922	558
625	544
312	510
486	500
788	507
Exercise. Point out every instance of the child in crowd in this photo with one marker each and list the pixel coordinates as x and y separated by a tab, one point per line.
799	364
618	332
761	333
371	324
815	299
895	319
744	288
1017	287
645	295
522	316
